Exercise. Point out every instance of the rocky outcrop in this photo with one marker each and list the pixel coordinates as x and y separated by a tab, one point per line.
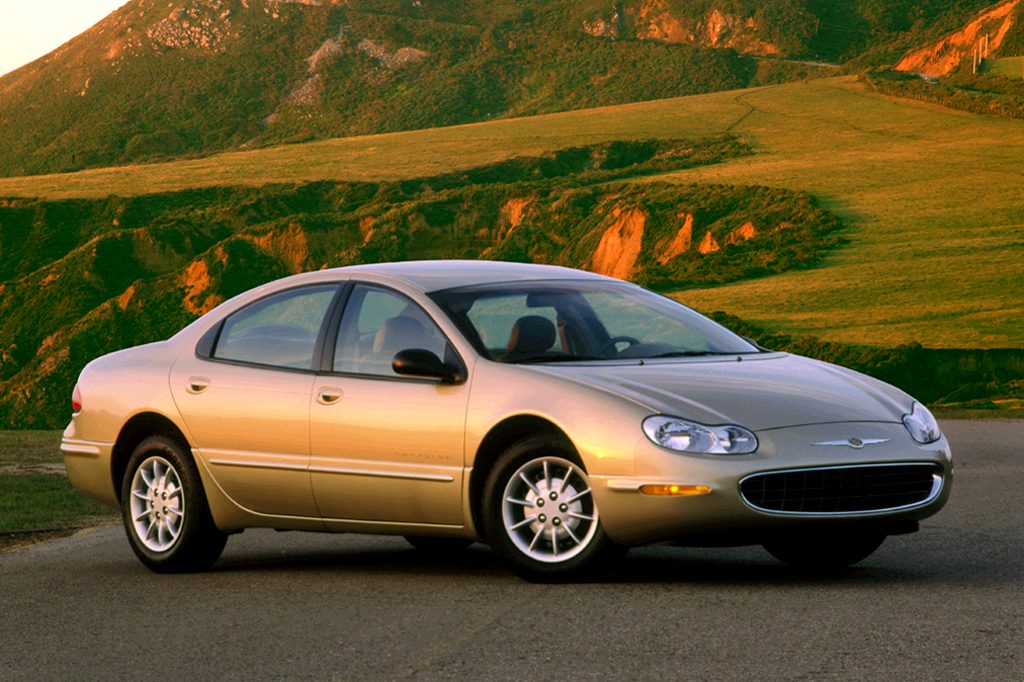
655	20
512	215
680	243
329	51
308	93
289	245
390	60
603	28
620	244
942	57
708	245
741	234
204	24
198	284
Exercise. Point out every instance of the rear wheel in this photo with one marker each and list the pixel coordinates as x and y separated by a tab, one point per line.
825	552
164	509
540	516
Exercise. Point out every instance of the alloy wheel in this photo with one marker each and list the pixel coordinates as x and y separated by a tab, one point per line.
157	504
548	510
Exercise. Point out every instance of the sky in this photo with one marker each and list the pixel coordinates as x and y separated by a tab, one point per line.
31	28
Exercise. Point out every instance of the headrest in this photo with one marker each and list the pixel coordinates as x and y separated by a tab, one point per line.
399	333
531	334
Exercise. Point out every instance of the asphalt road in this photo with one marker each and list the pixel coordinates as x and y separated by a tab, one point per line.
946	603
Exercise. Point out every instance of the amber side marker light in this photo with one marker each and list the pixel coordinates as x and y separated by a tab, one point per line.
677	490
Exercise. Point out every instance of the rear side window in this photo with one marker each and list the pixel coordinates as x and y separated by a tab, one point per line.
280	330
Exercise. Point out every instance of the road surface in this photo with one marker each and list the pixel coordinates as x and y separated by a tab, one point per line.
946	603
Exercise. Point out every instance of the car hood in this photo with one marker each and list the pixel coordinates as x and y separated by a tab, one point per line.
760	392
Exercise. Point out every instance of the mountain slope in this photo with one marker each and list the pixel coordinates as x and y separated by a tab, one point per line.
928	197
944	56
117	272
159	79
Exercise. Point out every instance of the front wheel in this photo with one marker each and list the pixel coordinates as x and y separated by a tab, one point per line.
164	509
540	516
825	552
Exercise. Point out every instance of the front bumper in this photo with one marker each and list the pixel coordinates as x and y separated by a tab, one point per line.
723	516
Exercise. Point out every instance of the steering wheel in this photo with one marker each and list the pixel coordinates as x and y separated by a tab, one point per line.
609	347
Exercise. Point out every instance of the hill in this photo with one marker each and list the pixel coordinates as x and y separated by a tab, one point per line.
927	251
158	79
929	197
137	269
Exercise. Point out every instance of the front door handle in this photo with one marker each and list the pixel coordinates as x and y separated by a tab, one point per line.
328	395
197	384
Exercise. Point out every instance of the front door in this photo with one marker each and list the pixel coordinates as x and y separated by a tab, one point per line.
386	447
247	405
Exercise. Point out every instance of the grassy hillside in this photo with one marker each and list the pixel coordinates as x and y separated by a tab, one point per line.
953	74
116	272
984	93
930	198
1010	67
159	79
932	202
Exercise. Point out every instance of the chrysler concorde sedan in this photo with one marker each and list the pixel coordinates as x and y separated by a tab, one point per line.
557	415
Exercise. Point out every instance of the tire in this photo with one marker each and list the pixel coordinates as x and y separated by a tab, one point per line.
439	546
164	509
825	552
564	540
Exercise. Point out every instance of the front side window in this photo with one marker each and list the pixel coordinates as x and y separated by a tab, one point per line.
582	320
377	324
279	331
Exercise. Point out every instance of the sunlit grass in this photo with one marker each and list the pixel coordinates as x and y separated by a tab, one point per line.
1006	66
930	196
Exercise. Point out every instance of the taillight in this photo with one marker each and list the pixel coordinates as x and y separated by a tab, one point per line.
76	400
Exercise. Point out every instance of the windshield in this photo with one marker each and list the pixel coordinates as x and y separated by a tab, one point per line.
563	321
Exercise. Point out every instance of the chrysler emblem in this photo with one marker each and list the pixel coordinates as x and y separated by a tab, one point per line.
856	443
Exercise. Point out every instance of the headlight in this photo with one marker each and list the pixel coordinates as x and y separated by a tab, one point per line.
686	436
921	425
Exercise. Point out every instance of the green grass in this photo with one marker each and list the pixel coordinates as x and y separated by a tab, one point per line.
395	156
930	197
34	493
40	501
29	449
995	413
1012	67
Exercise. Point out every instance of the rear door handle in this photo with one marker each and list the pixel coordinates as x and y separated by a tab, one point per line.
197	384
328	395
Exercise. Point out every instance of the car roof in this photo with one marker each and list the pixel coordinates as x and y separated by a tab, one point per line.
435	275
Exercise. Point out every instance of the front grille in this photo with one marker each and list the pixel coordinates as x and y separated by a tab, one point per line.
841	490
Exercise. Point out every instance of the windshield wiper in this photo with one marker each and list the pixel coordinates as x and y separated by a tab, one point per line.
568	357
689	354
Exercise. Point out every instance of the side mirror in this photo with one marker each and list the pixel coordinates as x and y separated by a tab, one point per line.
419	362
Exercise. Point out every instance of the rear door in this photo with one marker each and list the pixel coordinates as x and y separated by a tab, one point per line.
246	403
